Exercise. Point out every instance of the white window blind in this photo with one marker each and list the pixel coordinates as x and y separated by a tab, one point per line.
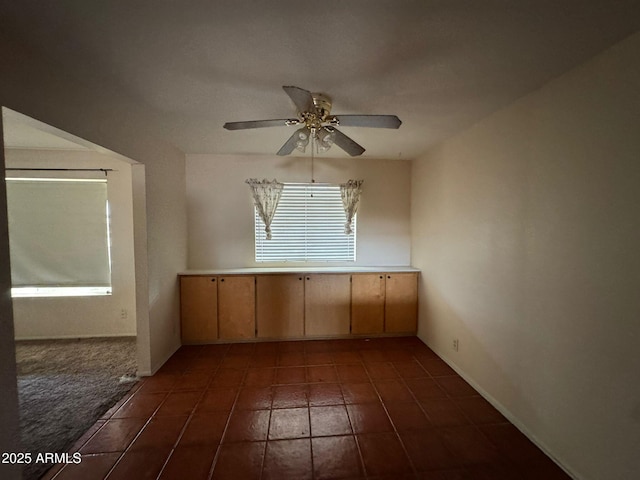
58	235
308	226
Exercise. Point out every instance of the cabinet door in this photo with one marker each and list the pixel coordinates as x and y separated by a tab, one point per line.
280	306
237	307
401	303
327	304
198	309
367	303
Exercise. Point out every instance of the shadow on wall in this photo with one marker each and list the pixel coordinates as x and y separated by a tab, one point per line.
451	329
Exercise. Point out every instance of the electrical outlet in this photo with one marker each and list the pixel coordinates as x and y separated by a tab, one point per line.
124	314
455	344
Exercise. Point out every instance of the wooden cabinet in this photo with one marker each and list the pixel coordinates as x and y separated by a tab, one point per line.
401	303
290	305
327	299
384	303
280	306
236	307
199	309
367	303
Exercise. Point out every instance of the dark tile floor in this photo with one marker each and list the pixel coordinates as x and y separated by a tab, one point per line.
328	409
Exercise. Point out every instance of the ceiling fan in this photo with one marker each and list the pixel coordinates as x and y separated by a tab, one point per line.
317	124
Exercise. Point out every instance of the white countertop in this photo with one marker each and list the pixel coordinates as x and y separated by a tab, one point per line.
270	270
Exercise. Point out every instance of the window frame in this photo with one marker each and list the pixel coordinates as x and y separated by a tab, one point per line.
313	235
81	289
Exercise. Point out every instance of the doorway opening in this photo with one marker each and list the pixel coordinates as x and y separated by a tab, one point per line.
77	238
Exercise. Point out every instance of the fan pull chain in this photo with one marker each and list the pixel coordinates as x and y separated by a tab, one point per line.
313	180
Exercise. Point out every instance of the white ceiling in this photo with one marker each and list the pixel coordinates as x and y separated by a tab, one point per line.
439	65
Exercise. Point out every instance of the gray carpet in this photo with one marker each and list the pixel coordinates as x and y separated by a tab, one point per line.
64	386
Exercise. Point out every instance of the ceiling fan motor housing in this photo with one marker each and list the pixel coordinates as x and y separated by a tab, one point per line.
322	103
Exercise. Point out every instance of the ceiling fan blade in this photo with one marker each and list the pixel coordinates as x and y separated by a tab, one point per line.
301	97
289	145
281	122
348	145
375	121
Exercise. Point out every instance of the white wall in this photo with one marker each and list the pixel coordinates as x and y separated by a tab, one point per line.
526	228
220	207
60	317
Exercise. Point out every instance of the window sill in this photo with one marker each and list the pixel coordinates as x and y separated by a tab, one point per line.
30	292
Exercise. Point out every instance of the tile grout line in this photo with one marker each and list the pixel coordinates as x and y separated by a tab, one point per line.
313	473
355	435
334	364
133	440
404	382
167	393
451	396
266	442
139	432
226	426
119	404
189	417
453	399
121	454
395	430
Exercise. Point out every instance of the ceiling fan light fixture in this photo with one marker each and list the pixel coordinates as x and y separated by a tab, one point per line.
326	138
302	139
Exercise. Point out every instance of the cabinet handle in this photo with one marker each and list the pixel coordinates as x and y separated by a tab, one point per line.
381	276
299	278
308	278
388	276
213	279
222	279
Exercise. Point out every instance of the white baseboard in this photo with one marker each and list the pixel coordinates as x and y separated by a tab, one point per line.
71	337
506	413
155	368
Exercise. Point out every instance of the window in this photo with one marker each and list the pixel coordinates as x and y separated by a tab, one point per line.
308	227
59	236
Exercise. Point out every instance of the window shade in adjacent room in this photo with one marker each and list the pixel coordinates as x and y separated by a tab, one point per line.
58	232
308	226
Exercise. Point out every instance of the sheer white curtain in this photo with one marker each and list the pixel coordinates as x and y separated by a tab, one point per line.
350	192
266	195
